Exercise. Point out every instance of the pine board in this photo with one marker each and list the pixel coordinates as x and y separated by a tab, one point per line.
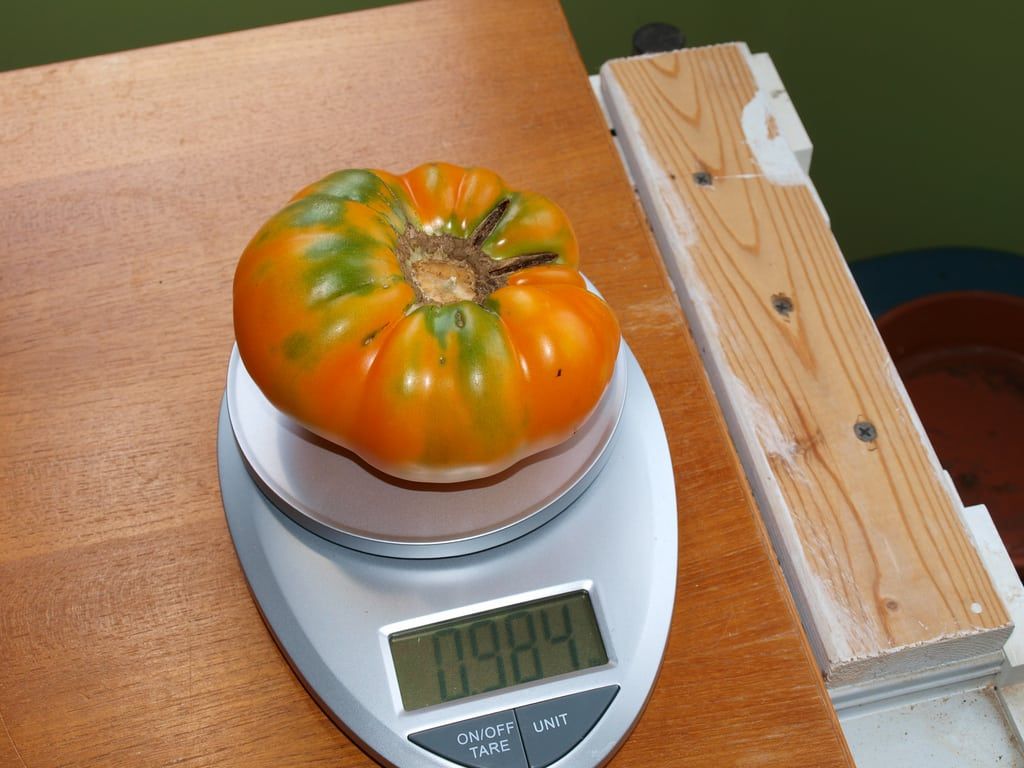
869	531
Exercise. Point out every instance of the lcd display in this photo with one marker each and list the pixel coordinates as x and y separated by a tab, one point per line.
496	649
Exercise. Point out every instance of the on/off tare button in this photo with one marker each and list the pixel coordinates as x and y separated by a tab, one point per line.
491	741
552	728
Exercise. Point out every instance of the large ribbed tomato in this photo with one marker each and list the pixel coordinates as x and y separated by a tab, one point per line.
433	323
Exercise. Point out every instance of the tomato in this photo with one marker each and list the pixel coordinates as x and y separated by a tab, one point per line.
433	323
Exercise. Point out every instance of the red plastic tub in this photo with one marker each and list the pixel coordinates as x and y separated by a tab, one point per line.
961	356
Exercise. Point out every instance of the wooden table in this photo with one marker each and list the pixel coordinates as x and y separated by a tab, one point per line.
129	184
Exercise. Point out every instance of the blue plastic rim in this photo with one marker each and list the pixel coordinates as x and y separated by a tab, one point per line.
893	279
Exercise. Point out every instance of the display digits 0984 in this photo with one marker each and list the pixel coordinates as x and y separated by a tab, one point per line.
496	649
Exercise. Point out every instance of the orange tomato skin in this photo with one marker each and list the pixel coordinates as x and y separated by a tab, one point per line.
336	335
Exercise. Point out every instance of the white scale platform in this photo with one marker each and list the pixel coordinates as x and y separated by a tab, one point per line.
500	578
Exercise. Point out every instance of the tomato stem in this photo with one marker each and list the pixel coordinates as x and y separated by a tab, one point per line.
444	269
486	227
524	261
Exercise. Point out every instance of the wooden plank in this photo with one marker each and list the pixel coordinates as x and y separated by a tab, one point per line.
868	530
128	187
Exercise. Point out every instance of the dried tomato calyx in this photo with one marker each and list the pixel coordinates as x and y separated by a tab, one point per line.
444	269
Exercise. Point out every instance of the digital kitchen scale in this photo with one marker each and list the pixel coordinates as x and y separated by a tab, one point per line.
516	621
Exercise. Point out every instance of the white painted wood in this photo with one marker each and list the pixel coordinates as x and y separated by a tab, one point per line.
1007	583
595	86
790	125
889	691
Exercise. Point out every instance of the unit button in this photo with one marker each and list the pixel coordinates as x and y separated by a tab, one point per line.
491	741
552	728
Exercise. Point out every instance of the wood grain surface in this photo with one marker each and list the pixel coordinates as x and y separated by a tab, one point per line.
129	184
868	526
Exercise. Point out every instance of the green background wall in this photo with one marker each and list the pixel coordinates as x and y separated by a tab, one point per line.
915	108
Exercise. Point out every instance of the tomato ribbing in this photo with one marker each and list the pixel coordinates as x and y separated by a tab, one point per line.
434	323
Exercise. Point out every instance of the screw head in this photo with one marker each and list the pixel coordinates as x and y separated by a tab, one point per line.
865	431
703	179
782	304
